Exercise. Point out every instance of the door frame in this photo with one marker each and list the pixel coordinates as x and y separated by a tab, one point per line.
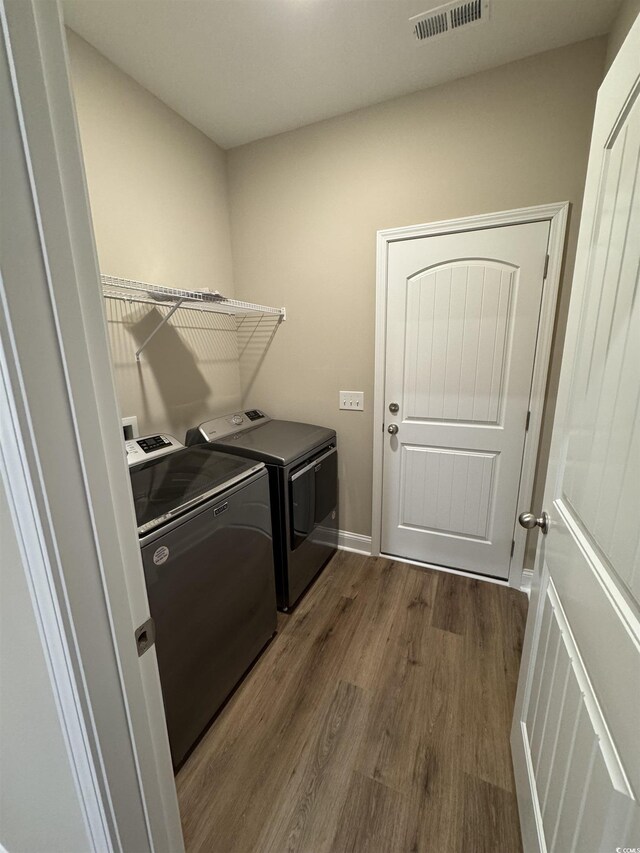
63	460
556	214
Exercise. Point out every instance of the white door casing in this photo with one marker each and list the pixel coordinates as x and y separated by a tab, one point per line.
63	456
556	215
462	321
575	738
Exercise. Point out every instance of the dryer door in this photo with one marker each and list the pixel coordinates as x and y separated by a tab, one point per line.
313	489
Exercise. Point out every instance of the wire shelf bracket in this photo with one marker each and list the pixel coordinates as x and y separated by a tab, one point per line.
140	292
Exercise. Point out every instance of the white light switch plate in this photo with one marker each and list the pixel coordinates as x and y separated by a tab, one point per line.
353	401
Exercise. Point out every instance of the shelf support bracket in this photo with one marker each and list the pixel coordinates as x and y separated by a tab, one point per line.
158	327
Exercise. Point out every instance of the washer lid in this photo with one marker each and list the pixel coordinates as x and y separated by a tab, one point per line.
169	485
277	442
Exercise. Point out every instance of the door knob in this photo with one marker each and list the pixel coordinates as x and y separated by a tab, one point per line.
394	408
529	521
392	428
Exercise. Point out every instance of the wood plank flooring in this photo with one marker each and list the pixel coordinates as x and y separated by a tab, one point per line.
377	720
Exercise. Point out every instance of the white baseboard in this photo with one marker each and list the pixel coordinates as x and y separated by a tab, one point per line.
356	542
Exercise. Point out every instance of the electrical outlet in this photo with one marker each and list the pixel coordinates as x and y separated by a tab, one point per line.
130	427
352	401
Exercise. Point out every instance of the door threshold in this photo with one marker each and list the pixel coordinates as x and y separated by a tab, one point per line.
461	572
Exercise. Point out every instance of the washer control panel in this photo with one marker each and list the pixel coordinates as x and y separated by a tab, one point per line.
231	424
150	447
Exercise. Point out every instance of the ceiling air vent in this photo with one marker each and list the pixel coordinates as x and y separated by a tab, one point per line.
449	17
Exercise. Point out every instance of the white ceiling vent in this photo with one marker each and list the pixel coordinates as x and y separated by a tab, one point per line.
451	16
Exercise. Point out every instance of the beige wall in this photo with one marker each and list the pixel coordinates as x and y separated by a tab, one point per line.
305	208
158	192
629	11
306	205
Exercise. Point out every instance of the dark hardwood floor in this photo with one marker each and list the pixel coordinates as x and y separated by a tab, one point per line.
377	720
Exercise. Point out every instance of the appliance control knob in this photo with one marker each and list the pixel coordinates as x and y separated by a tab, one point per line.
237	419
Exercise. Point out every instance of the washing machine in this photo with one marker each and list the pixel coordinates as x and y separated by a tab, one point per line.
204	524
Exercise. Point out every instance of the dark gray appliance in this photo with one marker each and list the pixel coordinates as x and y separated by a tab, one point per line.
302	460
204	523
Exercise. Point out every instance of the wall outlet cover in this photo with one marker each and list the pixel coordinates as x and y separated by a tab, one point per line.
130	427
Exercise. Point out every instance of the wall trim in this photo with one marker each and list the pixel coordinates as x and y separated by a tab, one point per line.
556	213
38	562
88	585
356	542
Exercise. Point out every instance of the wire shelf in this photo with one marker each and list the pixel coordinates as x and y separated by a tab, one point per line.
140	292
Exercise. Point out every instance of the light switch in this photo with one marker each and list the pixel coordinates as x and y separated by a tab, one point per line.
352	401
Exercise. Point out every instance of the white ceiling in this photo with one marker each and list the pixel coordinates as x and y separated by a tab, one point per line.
244	69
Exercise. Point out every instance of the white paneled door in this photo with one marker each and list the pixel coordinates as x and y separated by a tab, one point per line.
462	321
576	730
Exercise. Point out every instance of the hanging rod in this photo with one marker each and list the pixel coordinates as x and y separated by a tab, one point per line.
140	292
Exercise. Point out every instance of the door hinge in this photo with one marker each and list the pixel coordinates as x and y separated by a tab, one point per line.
546	267
513	546
145	636
526	426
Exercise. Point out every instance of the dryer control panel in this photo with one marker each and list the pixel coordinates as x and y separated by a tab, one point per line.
218	428
150	447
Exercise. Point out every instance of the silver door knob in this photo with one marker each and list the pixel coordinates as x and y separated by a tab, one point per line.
529	521
394	408
392	428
